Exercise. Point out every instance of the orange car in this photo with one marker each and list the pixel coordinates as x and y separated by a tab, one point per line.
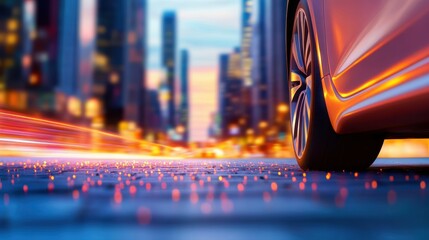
358	74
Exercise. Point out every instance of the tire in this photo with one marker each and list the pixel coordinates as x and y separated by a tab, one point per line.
317	146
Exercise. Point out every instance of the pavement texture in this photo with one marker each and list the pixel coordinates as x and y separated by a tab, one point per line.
211	199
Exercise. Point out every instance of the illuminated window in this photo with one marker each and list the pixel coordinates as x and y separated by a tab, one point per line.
74	107
12	25
114	78
92	108
12	39
34	79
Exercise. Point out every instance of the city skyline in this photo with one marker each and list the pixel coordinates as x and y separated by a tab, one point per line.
80	73
206	35
115	54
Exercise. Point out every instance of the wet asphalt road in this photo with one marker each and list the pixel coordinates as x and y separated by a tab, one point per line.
211	199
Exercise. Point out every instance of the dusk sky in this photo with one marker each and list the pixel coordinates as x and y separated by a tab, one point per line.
206	28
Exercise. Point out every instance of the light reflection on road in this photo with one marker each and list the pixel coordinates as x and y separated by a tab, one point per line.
188	195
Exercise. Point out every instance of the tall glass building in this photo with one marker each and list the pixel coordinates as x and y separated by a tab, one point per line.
16	25
246	39
230	94
276	63
184	96
68	60
247	32
260	93
43	72
102	62
268	69
119	79
169	48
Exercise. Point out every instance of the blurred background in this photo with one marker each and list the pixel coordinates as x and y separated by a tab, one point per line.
205	75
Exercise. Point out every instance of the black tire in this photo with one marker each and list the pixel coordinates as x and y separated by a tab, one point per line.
317	146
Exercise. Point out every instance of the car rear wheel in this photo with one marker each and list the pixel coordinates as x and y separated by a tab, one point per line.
317	146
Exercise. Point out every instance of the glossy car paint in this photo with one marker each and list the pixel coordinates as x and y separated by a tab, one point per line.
374	61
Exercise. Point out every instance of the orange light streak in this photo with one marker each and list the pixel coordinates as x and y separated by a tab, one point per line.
22	135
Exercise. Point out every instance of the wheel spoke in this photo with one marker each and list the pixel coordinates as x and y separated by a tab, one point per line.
299	138
301	82
300	123
308	107
302	32
305	116
296	119
308	56
302	130
309	86
296	53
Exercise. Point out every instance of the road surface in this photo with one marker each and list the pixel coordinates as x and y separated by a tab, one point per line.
211	199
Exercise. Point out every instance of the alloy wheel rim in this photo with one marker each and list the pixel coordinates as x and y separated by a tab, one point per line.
301	82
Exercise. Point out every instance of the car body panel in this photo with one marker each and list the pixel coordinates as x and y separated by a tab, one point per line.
398	106
369	41
374	57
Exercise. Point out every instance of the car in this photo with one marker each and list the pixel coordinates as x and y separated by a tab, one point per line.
358	74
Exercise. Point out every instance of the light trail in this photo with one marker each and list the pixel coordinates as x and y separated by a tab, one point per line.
22	135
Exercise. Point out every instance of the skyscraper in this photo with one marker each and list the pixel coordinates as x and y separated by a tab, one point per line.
247	31
246	40
15	28
120	62
222	98
77	40
68	60
276	63
184	96
135	62
43	75
264	89
102	62
110	64
45	44
153	116
230	94
260	93
169	63
87	46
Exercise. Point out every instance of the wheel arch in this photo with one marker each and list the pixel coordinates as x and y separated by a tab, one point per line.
290	15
